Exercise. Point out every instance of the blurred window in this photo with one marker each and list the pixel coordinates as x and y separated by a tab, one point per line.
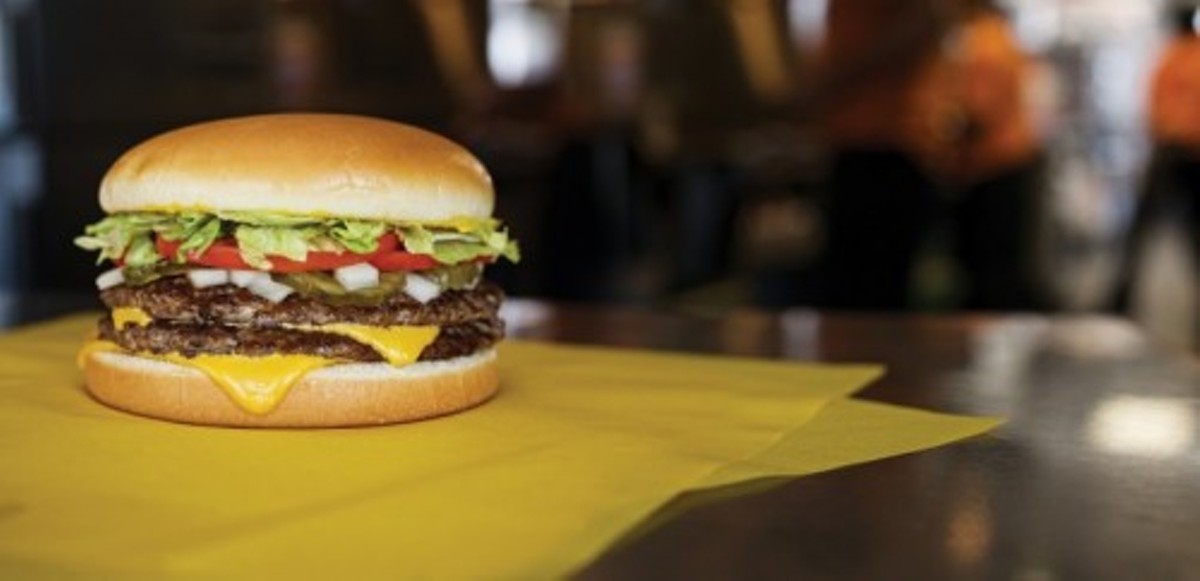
806	18
524	42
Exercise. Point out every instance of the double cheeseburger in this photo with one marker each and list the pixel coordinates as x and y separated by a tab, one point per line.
296	270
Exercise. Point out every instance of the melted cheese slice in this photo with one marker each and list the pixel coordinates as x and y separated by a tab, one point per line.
255	384
124	316
259	384
400	345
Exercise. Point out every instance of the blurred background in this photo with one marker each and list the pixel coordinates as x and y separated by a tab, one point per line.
709	155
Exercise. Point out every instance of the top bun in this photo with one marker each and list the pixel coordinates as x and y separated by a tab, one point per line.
307	164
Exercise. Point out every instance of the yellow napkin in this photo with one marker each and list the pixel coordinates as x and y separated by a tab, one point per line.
581	445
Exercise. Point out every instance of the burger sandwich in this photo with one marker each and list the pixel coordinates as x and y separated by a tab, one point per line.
296	270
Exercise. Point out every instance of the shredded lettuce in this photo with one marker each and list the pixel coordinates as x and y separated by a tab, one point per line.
117	236
196	231
256	242
130	237
141	251
455	246
358	236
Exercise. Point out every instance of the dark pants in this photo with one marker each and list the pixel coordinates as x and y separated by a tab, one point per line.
1172	184
993	229
880	208
1190	176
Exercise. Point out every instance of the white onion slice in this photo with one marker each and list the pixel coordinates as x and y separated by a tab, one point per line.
357	276
245	278
421	288
206	277
270	290
110	278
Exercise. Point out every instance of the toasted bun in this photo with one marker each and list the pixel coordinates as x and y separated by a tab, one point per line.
307	164
356	394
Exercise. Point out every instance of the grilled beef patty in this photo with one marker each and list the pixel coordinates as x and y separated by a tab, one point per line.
227	319
175	299
190	339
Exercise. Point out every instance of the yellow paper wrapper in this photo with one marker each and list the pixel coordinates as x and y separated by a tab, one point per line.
581	445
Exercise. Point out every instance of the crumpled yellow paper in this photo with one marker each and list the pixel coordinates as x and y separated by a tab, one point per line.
580	446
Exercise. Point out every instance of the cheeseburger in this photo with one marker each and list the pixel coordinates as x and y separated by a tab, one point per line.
296	270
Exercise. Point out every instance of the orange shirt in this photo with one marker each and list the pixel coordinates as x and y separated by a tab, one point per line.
991	72
890	106
961	110
1175	95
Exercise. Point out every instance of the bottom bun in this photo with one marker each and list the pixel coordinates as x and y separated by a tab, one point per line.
353	394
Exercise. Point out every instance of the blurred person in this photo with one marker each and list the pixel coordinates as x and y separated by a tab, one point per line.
993	166
878	101
595	216
1173	120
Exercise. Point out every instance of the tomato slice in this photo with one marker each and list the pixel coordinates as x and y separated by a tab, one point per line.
401	260
316	261
224	253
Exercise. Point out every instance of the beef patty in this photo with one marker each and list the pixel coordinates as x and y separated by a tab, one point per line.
227	319
190	340
175	299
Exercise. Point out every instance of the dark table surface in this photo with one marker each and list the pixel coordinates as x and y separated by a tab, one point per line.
1096	475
